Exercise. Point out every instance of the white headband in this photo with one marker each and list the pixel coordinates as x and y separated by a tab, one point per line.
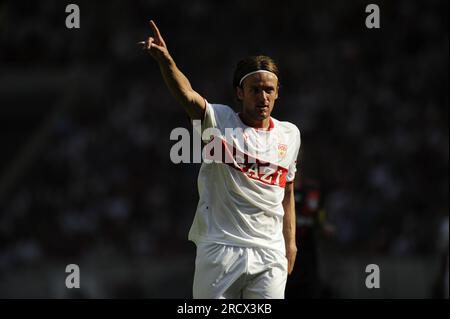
258	71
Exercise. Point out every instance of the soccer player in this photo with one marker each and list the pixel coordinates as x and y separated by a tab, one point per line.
244	226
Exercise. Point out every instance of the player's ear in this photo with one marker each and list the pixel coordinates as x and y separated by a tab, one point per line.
239	93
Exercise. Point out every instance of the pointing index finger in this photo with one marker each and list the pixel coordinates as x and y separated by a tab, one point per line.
155	30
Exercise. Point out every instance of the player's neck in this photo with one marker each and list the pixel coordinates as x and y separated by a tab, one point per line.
260	125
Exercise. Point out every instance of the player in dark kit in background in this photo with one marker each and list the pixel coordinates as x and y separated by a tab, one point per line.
305	280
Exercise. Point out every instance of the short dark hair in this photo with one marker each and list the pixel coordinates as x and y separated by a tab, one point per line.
254	63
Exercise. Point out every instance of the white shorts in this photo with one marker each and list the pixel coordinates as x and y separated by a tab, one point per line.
232	272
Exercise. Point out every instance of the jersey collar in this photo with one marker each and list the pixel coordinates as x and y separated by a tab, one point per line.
271	124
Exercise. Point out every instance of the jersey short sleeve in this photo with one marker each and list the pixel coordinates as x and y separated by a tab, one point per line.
216	116
293	166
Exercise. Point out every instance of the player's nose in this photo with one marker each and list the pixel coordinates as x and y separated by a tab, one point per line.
263	97
266	99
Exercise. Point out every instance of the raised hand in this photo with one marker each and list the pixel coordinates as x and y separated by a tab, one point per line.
178	84
156	45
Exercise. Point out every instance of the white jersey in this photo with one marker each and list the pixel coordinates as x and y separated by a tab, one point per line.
241	199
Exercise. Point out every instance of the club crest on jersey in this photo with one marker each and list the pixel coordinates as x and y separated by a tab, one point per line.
282	149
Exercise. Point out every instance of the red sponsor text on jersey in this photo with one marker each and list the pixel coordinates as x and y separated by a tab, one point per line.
252	167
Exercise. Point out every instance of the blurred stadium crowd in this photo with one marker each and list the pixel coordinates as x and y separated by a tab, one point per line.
372	107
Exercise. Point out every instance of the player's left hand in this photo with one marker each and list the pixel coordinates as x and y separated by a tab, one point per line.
291	254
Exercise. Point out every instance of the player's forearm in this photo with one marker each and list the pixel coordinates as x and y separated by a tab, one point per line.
177	83
289	219
175	80
180	87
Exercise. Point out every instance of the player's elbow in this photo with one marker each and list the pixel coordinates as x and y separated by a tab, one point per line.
195	105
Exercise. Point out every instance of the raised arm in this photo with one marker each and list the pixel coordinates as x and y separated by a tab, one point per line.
176	81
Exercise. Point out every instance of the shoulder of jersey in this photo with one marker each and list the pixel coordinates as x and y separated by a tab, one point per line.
223	109
287	127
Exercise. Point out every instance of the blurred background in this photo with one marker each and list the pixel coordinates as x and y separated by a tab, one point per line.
85	118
